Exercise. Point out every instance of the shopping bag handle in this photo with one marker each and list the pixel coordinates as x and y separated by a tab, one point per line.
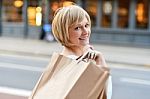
85	57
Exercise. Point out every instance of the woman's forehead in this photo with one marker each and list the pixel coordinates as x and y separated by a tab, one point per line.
80	22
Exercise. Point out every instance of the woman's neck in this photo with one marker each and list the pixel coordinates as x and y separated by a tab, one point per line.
73	51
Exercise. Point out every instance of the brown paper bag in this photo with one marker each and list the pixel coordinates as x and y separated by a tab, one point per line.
65	78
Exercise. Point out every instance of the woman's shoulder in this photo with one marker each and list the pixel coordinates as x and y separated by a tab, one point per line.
72	56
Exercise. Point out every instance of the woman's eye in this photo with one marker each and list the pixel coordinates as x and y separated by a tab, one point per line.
77	28
87	25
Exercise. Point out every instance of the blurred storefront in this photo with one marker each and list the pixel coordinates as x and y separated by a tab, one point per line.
113	21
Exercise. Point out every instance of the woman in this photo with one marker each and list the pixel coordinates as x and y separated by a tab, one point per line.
71	27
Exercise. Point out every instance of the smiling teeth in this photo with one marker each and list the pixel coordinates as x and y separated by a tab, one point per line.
81	38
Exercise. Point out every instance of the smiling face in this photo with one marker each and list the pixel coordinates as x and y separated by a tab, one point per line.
79	33
71	26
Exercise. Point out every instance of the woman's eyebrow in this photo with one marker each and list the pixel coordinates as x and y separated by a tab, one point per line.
74	25
78	24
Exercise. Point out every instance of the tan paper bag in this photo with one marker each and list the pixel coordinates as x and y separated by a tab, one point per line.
65	78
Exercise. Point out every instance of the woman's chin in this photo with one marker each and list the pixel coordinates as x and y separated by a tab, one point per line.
84	43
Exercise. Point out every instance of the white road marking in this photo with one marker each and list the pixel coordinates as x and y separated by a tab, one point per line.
20	67
39	69
128	67
14	91
26	57
135	81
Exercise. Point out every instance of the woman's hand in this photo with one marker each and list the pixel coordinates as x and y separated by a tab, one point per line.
93	55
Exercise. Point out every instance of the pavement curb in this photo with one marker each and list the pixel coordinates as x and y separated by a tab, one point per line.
21	53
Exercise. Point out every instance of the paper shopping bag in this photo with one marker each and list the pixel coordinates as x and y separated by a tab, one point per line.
65	78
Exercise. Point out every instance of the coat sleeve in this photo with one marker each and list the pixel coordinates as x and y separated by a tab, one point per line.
109	88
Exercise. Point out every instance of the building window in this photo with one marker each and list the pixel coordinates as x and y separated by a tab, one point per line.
34	13
142	14
123	13
106	13
91	9
55	4
12	10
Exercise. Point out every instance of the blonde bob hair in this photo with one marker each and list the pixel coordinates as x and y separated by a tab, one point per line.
65	17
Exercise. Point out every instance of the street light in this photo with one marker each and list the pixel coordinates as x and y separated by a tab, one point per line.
18	3
38	16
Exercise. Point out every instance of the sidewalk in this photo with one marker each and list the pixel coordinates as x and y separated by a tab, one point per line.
116	54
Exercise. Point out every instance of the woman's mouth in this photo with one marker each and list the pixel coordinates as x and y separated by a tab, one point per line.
83	38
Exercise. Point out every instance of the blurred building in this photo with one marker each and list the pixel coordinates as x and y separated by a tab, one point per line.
113	21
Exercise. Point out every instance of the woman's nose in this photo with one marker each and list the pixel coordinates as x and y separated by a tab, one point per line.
84	31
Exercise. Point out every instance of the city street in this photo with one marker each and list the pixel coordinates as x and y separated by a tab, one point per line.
32	30
19	74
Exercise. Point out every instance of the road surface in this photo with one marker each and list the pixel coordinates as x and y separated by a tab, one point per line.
19	74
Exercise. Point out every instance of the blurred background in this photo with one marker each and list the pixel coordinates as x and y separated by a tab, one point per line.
120	30
113	21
